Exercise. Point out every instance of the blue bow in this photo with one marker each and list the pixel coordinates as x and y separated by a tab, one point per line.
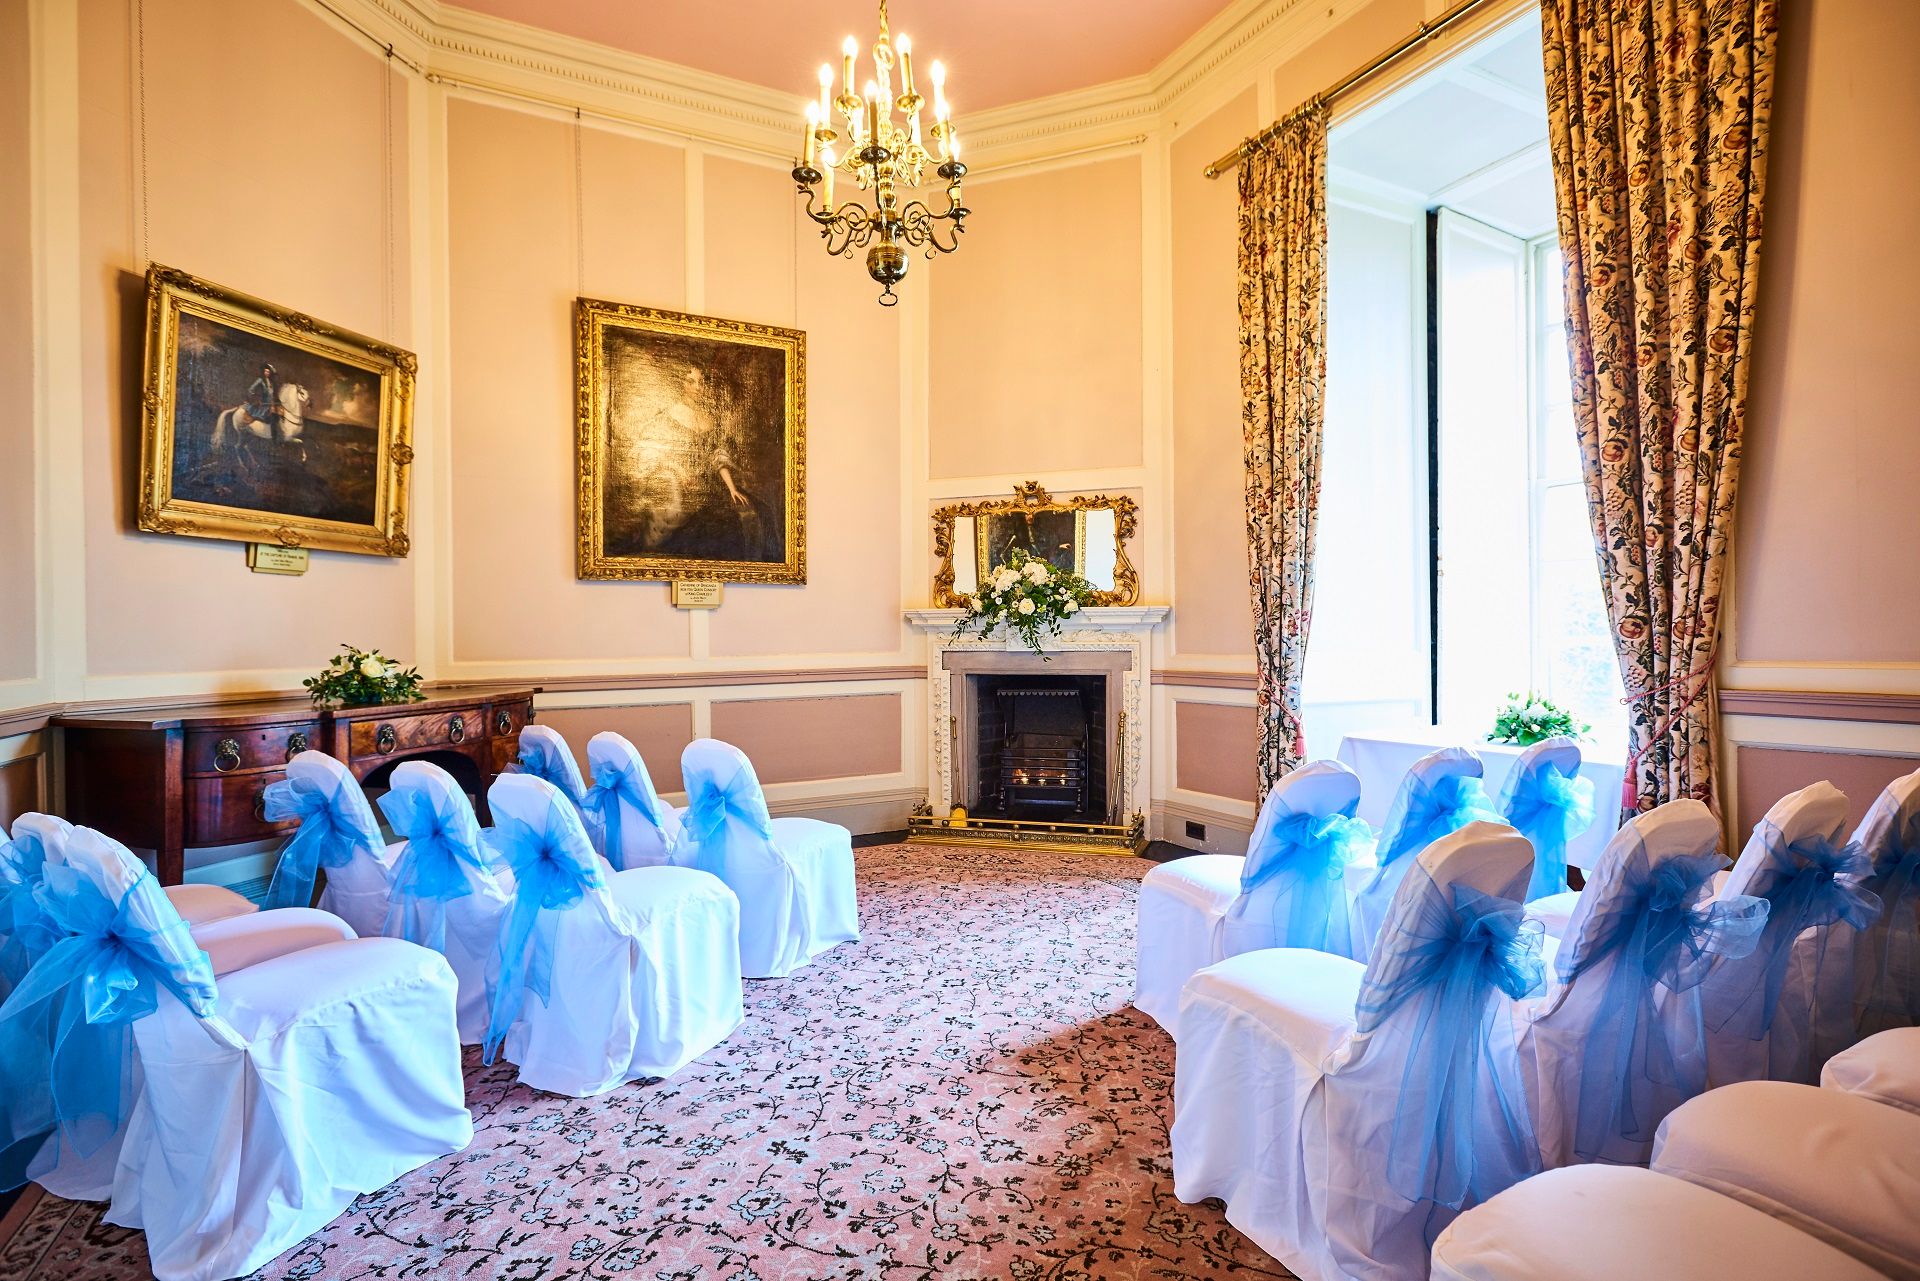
611	785
1550	808
1305	857
1818	884
710	805
1892	996
1457	961
1424	812
434	868
537	760
25	929
546	881
64	1031
1665	929
328	836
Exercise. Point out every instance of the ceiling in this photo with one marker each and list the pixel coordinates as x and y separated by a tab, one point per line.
1470	135
997	51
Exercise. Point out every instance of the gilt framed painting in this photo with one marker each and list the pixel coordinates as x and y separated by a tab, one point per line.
692	435
263	425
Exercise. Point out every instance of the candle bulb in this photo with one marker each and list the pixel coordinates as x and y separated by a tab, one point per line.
813	124
847	50
828	165
906	67
826	93
873	114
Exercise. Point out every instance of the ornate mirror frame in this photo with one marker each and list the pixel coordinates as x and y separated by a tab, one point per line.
1030	497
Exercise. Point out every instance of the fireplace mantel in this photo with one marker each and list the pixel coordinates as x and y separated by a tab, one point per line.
1117	639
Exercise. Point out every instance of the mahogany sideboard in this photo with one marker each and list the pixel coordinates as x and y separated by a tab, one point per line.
174	779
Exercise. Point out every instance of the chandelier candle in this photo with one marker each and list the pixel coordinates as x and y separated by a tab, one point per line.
887	161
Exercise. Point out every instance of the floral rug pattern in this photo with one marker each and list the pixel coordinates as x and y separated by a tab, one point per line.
964	1094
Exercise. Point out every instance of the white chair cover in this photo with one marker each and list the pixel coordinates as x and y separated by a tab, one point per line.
1441	793
604	978
1608	1223
631	825
236	942
1886	972
1177	928
1885	1068
1312	1093
1618	1043
205	904
338	836
26	931
1545	800
445	897
43	837
1836	1166
1763	1012
794	876
544	753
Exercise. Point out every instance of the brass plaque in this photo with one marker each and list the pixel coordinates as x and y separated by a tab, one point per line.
272	558
702	594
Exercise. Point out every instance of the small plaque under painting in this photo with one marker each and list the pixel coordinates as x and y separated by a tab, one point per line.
696	595
272	558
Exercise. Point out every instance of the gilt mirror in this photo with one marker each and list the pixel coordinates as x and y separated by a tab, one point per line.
1085	533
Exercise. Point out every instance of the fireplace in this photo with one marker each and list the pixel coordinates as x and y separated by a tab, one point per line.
1041	747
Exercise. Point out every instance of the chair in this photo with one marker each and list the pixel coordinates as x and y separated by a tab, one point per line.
325	1073
444	896
1441	793
1611	1223
1619	1043
1344	1112
1203	908
1838	1167
604	978
1546	801
337	832
1885	1068
1765	1012
544	754
1886	972
633	827
794	876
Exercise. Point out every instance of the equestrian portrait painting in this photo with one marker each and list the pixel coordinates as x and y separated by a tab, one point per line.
265	425
692	440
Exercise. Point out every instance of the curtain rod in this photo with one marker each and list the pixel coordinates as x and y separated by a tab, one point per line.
1380	62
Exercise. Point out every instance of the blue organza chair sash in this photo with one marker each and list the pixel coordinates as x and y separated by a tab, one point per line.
547	880
1815	883
1424	811
1891	991
26	930
1665	929
1446	967
437	865
64	1031
711	804
1550	808
1304	859
537	760
611	785
329	835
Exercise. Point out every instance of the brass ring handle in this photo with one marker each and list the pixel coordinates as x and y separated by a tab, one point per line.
457	729
296	743
260	806
385	738
226	755
503	722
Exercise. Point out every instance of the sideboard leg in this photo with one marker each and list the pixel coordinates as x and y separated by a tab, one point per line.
172	863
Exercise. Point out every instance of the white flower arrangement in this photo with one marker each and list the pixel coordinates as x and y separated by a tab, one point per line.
1027	595
1529	719
364	678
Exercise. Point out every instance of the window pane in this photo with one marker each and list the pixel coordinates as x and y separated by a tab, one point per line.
1582	673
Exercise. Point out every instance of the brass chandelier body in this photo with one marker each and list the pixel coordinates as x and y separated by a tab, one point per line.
885	155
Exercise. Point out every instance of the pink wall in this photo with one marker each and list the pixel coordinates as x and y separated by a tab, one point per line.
1827	564
1766	774
1037	337
277	193
18	646
1218	744
790	739
659	732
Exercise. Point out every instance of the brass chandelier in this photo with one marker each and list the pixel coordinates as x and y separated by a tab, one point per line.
884	155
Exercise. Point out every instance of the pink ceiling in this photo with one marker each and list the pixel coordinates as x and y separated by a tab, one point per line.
996	51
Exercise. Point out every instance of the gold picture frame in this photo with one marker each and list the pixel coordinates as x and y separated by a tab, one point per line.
313	452
691	436
1030	499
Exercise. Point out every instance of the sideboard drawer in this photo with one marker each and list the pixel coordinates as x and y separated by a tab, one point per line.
235	751
225	810
406	731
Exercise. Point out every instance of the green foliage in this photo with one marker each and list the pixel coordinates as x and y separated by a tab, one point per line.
1528	719
1028	596
364	678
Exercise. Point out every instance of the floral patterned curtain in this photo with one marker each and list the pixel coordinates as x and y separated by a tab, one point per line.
1658	113
1283	375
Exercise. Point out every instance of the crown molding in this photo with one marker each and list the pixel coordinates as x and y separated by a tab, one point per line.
544	70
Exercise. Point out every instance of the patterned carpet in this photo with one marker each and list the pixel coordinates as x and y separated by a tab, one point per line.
963	1094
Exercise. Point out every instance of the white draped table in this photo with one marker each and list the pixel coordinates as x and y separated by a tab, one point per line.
1381	758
